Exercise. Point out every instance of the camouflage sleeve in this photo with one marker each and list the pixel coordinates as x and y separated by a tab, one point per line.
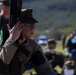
40	62
7	52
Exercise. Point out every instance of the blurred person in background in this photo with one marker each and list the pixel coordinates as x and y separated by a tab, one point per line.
69	68
4	33
55	58
71	49
69	45
27	48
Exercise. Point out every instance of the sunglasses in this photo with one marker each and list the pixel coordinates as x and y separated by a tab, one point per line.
29	25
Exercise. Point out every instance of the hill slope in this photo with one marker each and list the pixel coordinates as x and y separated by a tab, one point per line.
53	14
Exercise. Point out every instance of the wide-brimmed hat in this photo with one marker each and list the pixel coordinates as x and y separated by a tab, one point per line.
5	2
26	16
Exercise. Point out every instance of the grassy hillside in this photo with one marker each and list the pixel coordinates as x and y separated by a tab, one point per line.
53	15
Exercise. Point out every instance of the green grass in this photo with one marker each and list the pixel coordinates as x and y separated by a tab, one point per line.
29	71
59	47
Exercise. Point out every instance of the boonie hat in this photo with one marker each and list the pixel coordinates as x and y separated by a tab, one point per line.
52	41
26	16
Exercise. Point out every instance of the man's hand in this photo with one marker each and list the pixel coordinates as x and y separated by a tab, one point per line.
15	32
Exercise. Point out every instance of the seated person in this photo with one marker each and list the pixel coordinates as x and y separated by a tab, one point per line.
55	58
69	68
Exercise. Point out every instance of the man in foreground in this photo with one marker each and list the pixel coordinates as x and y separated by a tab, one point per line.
26	47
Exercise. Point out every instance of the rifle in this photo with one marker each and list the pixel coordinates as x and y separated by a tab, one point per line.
15	10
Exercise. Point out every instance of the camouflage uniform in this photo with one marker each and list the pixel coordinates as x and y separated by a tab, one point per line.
36	57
